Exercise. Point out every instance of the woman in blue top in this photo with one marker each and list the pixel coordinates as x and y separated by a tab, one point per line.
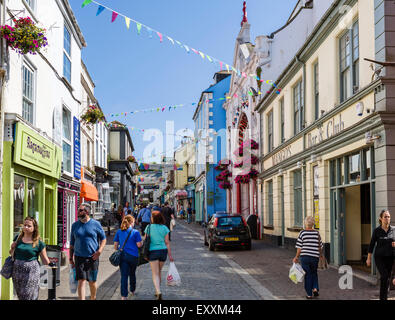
159	247
130	254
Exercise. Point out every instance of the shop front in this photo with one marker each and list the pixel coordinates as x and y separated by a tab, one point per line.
31	169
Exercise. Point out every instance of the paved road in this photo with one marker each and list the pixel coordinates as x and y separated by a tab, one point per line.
259	274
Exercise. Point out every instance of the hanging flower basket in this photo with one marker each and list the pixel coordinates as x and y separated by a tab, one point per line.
225	185
131	159
238	151
251	144
242	178
219	178
25	37
253	173
92	115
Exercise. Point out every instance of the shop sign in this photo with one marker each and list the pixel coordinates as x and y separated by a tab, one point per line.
325	131
36	152
282	155
77	148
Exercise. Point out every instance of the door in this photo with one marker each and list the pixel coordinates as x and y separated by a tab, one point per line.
338	202
49	217
245	200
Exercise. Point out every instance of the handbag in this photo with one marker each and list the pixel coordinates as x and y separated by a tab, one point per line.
322	262
115	258
146	245
6	270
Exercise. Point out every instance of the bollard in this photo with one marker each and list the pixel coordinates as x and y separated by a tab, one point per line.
52	283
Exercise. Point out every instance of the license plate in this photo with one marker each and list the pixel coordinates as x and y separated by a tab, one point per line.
232	239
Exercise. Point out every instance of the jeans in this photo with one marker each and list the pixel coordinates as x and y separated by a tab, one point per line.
384	265
128	267
189	218
310	266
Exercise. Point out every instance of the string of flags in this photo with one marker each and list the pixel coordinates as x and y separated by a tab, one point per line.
169	108
188	49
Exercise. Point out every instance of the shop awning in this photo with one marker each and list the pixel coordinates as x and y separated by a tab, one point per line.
181	193
89	191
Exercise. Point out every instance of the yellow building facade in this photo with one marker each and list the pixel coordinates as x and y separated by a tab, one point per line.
325	150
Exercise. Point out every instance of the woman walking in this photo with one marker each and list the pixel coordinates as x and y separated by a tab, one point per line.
27	247
130	254
309	248
159	247
384	237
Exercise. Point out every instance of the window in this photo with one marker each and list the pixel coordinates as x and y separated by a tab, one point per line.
31	4
88	153
298	210
349	62
282	127
354	168
28	94
270	131
316	92
270	202
67	55
298	107
66	121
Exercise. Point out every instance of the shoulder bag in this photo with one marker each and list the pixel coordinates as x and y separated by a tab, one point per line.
144	250
115	258
322	263
6	270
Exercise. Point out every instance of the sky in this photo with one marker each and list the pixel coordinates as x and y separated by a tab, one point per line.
132	71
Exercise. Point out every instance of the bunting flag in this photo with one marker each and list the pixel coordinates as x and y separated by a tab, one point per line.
139	26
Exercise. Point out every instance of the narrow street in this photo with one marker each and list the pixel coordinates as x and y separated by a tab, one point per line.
230	274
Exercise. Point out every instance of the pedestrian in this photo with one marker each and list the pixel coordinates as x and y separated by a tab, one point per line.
182	213
129	256
120	215
126	208
168	215
129	212
26	248
383	238
189	214
87	241
309	249
144	218
159	248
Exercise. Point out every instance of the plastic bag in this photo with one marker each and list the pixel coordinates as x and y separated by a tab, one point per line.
173	277
296	273
73	283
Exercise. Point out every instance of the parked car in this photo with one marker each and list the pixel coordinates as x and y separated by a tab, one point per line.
227	230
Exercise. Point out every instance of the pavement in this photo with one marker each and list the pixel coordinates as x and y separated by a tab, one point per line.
259	274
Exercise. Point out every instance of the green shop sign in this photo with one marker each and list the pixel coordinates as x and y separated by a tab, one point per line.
35	152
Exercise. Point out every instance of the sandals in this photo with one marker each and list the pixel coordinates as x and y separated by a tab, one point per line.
315	293
158	296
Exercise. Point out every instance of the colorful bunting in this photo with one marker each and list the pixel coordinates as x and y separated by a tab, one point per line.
86	2
114	16
127	20
99	10
138	28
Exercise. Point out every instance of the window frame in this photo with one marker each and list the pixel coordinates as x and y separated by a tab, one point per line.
270	131
67	141
270	208
298	193
316	91
31	4
32	100
282	121
67	54
298	107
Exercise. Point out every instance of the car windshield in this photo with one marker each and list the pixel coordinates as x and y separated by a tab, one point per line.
230	221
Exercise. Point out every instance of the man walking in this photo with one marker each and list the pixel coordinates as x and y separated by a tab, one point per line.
87	242
145	217
168	214
126	208
189	214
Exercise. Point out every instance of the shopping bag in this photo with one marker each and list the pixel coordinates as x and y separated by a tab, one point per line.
296	273
6	271
172	224
73	283
142	260
173	277
322	263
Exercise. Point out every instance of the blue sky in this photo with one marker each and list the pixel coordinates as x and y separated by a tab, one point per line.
135	72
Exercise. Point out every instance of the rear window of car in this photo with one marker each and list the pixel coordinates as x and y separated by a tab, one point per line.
230	221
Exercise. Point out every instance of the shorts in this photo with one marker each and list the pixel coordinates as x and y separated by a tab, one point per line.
160	255
86	268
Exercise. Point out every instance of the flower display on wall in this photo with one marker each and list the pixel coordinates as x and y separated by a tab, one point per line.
24	37
92	115
225	185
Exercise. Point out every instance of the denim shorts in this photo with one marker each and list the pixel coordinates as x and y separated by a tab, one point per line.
160	255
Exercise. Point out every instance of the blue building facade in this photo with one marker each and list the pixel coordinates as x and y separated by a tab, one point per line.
210	135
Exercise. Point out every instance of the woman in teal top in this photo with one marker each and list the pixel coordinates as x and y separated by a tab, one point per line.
26	249
159	247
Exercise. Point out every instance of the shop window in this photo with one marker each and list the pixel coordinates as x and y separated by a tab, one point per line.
368	163
298	206
32	199
354	168
19	200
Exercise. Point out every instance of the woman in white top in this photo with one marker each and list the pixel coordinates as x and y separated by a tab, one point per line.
309	249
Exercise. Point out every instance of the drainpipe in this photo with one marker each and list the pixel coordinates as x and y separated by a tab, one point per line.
2	89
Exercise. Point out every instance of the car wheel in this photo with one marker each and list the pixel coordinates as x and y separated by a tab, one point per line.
205	240
211	245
